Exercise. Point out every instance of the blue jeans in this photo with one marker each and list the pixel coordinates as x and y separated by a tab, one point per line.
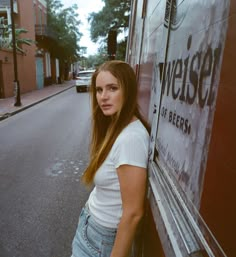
92	239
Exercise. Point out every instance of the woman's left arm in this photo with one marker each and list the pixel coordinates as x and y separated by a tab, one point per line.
133	191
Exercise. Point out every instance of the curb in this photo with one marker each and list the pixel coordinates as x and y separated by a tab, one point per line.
7	115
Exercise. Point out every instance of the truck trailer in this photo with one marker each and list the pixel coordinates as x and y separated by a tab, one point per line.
183	53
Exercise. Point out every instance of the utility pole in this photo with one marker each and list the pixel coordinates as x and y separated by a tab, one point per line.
111	44
16	82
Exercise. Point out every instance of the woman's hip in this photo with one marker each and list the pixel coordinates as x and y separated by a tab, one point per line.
92	239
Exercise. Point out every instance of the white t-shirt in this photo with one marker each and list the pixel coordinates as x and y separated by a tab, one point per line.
130	147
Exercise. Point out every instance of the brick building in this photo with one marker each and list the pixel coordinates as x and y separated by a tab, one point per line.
36	67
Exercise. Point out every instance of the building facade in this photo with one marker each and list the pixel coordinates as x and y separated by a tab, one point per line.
47	66
25	61
36	68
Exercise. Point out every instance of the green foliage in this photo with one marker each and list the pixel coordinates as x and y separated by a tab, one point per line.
6	39
20	40
121	49
65	24
5	42
93	61
115	14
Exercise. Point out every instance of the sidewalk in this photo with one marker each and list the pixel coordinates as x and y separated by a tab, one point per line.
29	99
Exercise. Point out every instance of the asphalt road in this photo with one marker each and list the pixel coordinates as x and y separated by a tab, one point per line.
43	152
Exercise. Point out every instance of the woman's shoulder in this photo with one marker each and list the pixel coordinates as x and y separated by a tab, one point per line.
134	130
135	126
131	146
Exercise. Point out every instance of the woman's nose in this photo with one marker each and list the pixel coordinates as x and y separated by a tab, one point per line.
104	94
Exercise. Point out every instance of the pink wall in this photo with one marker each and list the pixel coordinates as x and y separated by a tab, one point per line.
26	63
7	72
27	66
37	7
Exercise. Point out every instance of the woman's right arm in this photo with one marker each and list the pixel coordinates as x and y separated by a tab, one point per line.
133	190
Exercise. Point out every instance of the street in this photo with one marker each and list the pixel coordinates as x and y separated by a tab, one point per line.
43	152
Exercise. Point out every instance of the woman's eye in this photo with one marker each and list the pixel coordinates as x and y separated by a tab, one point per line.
98	90
113	89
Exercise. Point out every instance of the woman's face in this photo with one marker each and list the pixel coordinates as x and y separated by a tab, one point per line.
109	93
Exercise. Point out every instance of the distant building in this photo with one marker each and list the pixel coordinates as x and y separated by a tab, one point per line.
23	17
37	68
47	65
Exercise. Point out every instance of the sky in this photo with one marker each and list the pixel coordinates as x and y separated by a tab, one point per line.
84	8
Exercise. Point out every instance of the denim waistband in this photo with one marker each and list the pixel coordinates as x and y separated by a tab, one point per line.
91	221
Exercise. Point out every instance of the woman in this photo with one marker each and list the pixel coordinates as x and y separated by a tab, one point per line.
119	156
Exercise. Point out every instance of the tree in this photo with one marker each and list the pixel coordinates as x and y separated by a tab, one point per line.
6	39
114	15
93	61
65	24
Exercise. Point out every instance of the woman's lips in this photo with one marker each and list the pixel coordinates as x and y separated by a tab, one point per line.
106	106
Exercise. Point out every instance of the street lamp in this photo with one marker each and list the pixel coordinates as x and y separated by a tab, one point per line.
16	82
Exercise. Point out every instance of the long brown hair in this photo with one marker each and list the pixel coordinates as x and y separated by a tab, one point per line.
105	129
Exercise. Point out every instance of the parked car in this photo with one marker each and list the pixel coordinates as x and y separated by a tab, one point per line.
83	80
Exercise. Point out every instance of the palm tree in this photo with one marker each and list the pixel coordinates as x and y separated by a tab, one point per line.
6	38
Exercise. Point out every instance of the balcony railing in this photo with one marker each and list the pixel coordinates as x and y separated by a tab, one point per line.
44	30
7	4
5	42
